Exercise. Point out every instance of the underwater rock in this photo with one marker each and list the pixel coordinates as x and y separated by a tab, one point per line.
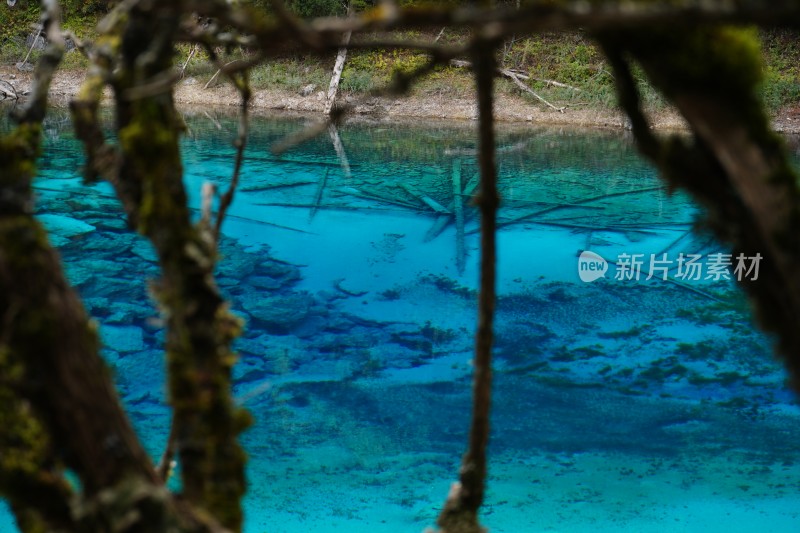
284	272
339	343
330	296
117	289
339	324
104	267
124	313
123	339
310	327
249	371
235	264
78	274
279	314
143	249
64	226
228	282
110	224
95	305
264	282
306	90
117	245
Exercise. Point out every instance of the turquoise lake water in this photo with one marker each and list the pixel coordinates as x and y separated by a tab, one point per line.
621	404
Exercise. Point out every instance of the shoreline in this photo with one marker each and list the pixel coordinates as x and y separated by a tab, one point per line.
508	109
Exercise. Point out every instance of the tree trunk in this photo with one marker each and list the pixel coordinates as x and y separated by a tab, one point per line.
338	67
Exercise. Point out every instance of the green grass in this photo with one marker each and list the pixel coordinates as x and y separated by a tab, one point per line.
569	58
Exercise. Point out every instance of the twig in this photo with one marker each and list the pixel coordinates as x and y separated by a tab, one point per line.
551	82
191	54
232	67
514	78
241	141
460	513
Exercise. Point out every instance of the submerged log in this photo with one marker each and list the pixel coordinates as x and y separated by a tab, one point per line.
318	195
274	186
425	199
333	131
576	203
442	221
458	209
370	195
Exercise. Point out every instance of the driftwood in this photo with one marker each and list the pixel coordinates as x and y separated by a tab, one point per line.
516	79
521	75
554	83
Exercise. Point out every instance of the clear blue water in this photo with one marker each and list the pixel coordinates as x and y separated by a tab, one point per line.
620	405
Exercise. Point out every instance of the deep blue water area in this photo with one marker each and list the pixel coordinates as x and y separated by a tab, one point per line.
621	403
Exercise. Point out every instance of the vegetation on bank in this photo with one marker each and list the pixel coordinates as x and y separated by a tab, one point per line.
571	59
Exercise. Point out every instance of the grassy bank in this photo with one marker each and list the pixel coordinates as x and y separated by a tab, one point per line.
569	59
583	77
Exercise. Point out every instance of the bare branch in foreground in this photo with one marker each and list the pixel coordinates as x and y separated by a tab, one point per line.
460	513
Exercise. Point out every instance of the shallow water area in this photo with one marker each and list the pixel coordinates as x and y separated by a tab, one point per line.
621	404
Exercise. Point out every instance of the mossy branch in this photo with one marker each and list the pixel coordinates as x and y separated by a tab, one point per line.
148	177
735	166
58	403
